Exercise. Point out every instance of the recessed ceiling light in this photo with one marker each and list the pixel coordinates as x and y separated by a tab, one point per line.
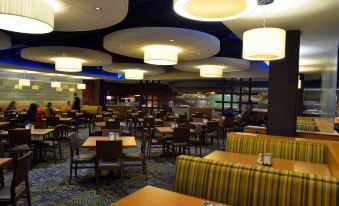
97	8
171	40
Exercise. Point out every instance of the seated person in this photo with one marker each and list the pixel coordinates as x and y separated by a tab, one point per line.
32	112
68	107
49	110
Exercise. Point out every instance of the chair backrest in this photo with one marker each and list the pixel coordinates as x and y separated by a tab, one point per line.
40	125
109	150
2	150
22	118
146	137
52	121
197	119
57	132
72	114
19	136
229	122
112	125
212	126
20	175
181	134
73	144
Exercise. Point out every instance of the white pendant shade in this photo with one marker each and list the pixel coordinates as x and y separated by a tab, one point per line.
134	74
161	54
55	84
35	87
264	44
214	10
25	82
81	86
66	64
211	71
27	16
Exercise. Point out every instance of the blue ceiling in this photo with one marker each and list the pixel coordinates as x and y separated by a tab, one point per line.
141	13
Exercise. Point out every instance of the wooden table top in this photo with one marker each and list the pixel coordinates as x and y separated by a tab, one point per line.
153	196
156	120
283	164
127	141
103	124
3	124
198	123
5	162
34	132
168	130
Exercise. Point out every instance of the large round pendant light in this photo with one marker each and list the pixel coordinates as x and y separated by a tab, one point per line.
211	71
264	44
66	64
134	74
214	10
27	16
161	54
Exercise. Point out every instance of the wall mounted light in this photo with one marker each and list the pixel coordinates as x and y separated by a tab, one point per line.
55	84
81	86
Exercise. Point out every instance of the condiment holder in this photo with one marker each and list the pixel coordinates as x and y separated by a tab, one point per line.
265	159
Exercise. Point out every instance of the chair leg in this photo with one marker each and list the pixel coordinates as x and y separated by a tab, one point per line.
145	169
70	174
28	197
188	149
200	151
60	151
97	178
76	169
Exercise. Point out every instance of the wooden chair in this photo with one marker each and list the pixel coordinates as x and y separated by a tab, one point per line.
109	157
139	157
20	142
198	141
112	125
53	143
52	121
212	131
180	140
154	143
10	195
78	159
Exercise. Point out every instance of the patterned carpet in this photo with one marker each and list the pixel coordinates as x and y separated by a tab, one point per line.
49	181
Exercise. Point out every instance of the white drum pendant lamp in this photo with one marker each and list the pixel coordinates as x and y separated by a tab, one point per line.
27	16
134	74
161	54
264	44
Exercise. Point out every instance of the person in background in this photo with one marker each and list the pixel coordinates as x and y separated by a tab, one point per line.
11	107
76	103
248	109
68	106
32	112
49	110
40	112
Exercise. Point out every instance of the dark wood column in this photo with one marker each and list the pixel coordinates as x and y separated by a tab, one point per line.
283	89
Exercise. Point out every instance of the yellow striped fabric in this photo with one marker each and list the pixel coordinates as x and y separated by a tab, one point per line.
283	149
244	185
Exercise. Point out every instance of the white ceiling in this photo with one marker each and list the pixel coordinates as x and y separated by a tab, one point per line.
317	20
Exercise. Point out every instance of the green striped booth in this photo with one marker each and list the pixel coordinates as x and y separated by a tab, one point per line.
282	149
244	185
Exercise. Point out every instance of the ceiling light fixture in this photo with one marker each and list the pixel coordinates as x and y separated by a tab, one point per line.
211	71
134	74
35	87
58	89
264	44
214	10
27	16
161	54
55	84
67	64
17	86
81	86
71	89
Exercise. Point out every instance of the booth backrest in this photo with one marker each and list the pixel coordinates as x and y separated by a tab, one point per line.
92	109
280	148
246	185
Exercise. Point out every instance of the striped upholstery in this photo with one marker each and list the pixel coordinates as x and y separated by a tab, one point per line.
245	185
283	149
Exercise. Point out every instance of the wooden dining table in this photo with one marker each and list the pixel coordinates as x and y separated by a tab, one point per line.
103	124
127	141
283	164
4	124
153	196
168	130
34	132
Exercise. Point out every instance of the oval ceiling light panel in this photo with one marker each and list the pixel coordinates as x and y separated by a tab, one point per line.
214	10
27	16
161	54
264	44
